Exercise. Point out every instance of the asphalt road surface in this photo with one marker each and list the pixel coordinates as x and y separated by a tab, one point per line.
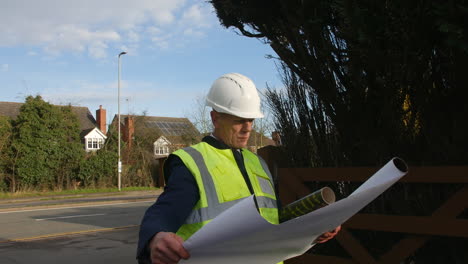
105	231
116	247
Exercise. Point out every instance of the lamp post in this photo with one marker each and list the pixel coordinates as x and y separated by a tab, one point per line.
119	165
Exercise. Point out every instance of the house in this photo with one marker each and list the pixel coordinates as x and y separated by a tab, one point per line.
92	132
166	134
95	136
258	140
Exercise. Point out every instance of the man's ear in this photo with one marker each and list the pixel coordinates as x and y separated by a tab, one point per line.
214	118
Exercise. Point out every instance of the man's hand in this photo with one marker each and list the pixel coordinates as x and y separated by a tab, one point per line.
328	235
166	248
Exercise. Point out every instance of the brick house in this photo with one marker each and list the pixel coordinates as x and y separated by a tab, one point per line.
92	132
166	134
257	141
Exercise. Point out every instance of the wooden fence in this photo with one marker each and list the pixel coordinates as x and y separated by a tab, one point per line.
417	229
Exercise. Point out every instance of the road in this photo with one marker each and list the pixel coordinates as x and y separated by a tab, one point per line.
97	231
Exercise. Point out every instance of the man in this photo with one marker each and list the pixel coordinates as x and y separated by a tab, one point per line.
211	176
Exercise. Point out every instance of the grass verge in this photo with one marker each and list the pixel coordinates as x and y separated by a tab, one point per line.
28	194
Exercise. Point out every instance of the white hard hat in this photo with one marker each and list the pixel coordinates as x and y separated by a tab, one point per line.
235	94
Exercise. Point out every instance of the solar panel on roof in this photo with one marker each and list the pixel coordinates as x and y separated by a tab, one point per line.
151	124
171	128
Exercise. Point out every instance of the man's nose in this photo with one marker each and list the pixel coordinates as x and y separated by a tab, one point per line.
247	126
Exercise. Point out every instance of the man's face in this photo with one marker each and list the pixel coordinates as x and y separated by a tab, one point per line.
232	130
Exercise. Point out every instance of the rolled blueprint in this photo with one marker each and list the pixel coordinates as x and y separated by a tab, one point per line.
241	235
307	204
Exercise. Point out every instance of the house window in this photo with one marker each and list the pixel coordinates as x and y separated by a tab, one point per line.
161	150
95	143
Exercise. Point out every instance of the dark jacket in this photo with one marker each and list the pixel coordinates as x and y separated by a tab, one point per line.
180	195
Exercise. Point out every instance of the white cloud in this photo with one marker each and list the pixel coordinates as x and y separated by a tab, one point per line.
196	15
91	95
154	30
194	33
98	50
79	91
133	36
92	27
161	41
131	49
196	19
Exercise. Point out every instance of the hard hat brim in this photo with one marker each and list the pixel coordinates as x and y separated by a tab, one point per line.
221	109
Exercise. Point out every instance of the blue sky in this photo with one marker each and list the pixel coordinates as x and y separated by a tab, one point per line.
66	51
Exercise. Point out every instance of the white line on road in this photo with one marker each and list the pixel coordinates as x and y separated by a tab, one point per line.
69	216
71	207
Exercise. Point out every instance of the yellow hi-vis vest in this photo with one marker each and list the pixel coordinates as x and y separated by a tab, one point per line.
221	184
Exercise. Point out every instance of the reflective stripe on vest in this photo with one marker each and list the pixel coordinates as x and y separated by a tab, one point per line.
263	185
214	206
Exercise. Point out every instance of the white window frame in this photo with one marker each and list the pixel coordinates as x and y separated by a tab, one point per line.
94	143
161	147
161	150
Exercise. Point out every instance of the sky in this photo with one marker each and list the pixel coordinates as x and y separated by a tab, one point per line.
67	52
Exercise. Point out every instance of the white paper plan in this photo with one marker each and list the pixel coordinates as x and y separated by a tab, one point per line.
241	235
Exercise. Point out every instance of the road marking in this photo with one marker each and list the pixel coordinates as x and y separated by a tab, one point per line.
70	207
66	234
69	216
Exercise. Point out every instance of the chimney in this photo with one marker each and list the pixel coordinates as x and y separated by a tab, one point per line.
275	135
129	131
101	119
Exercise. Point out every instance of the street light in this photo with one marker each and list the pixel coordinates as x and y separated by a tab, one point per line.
119	165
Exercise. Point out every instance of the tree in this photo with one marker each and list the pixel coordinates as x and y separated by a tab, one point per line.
99	169
199	114
366	81
264	125
45	145
388	75
70	151
5	143
140	156
309	137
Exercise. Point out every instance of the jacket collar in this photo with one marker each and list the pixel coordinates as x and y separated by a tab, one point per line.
214	142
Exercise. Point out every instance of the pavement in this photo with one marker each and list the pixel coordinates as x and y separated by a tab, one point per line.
69	199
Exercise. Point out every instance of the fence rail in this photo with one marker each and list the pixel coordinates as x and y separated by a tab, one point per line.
417	229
